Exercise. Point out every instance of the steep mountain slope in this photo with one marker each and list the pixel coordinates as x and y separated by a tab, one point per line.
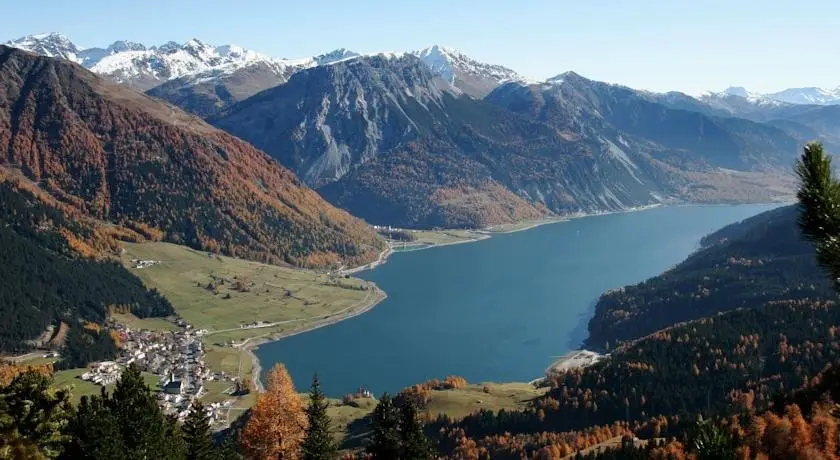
722	365
385	138
474	78
47	278
744	265
685	139
116	154
206	94
818	123
209	92
802	122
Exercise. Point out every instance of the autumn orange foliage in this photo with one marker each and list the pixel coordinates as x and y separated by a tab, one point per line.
278	421
546	445
109	153
792	436
420	393
9	370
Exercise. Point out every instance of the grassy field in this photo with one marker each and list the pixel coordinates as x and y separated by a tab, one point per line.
221	293
232	361
70	378
351	423
464	401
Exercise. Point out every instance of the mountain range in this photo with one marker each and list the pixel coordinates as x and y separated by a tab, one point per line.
203	78
435	138
146	169
145	67
807	95
391	141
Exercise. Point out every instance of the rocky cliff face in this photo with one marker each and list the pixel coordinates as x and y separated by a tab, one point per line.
389	140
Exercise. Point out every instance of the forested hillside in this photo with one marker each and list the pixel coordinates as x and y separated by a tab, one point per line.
119	155
744	265
714	366
46	277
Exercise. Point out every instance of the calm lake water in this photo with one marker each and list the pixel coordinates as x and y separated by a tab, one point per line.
500	309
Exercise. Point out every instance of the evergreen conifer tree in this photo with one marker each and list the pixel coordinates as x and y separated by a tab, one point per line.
385	442
229	449
94	432
145	430
711	442
196	432
319	443
33	417
819	200
415	444
175	445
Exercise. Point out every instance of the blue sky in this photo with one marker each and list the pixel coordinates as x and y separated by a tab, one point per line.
663	45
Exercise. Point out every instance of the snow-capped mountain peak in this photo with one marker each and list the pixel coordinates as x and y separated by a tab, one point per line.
471	76
145	67
123	45
440	60
739	91
51	44
807	95
334	56
737	96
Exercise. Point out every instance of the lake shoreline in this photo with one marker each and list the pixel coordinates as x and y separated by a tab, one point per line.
482	234
488	232
251	345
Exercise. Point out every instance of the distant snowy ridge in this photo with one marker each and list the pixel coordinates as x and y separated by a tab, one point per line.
195	61
145	67
811	95
798	96
740	93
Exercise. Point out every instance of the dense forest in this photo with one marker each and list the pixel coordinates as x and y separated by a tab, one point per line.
118	155
744	265
738	359
46	281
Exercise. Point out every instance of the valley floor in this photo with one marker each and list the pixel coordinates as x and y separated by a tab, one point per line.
236	305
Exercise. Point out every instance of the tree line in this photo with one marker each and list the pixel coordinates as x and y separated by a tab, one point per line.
38	421
744	265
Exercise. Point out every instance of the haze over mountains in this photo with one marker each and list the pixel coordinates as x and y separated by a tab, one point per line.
435	138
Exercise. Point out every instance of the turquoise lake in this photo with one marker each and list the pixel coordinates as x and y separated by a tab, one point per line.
499	309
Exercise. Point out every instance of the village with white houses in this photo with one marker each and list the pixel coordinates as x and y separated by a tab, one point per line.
175	357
